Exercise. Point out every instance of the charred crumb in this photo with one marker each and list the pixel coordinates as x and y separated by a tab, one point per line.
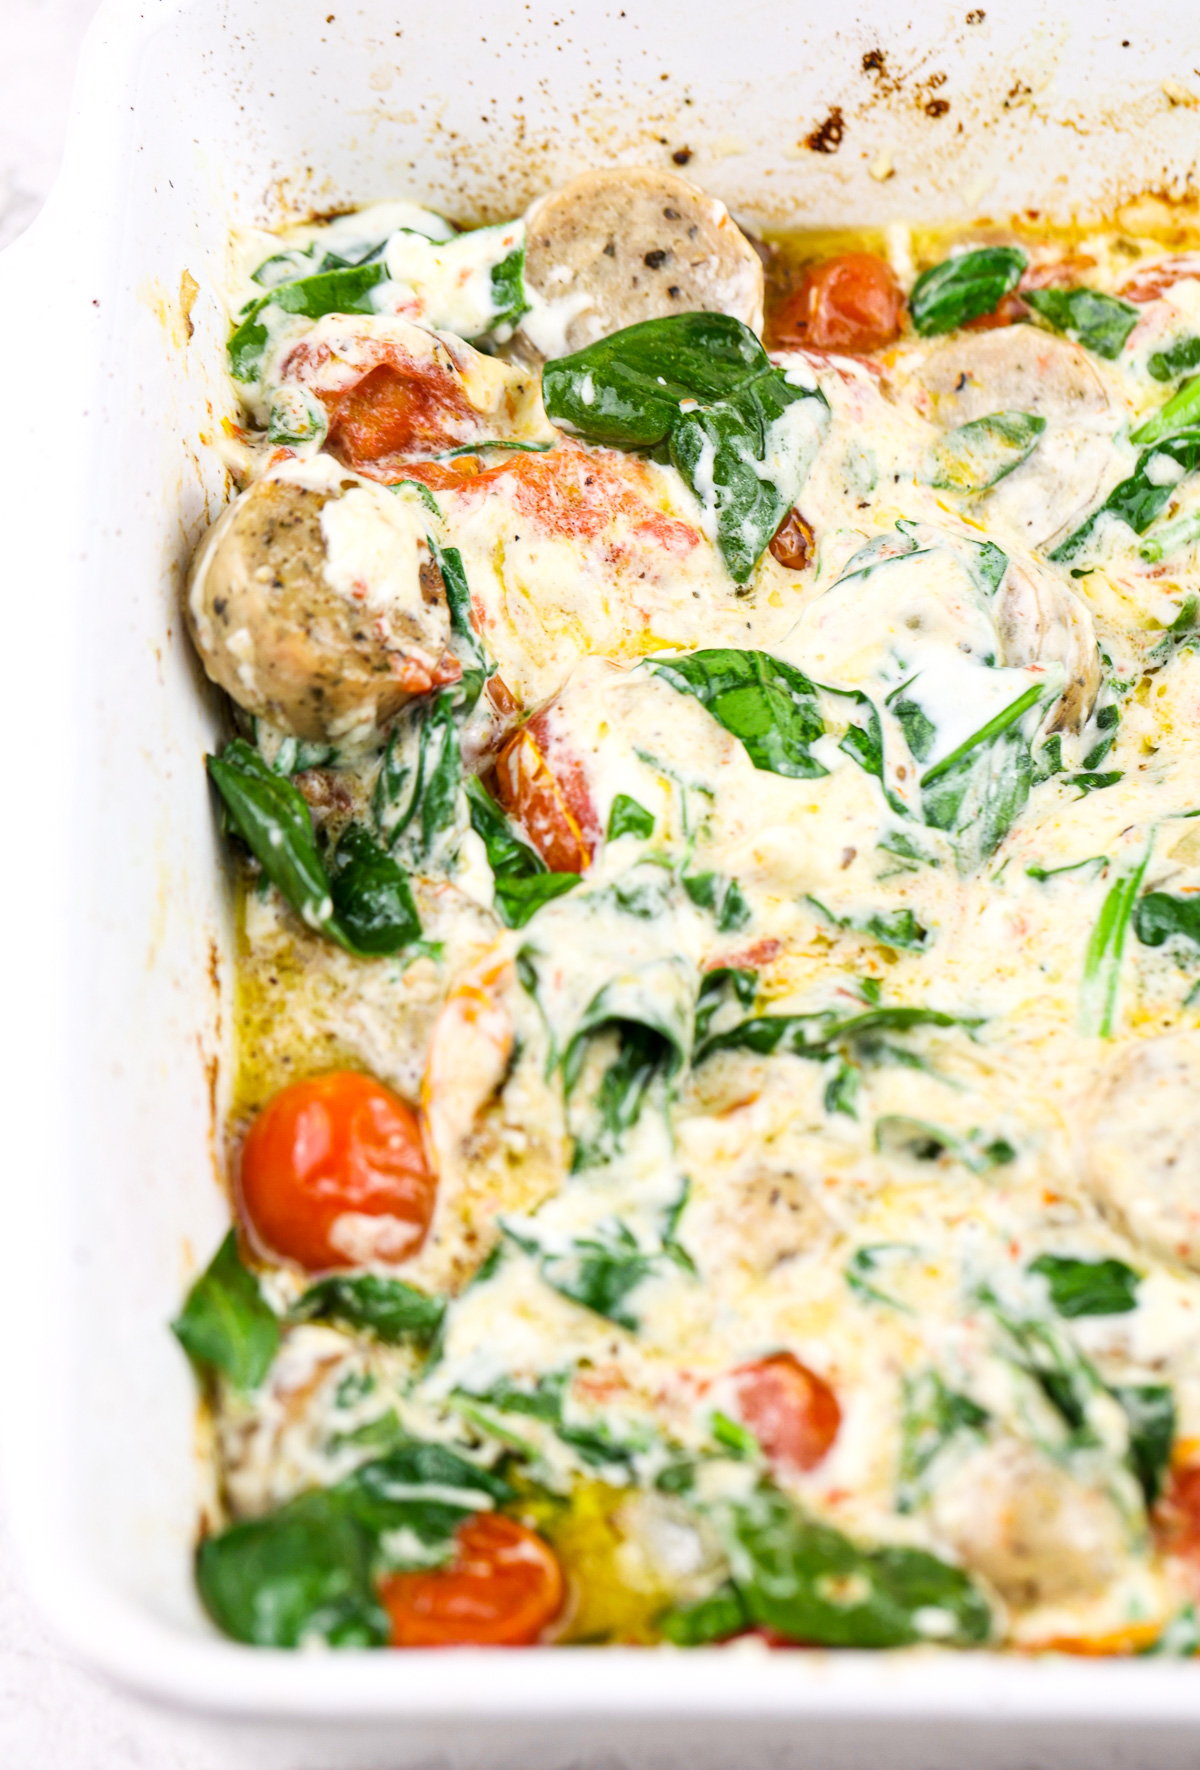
874	62
681	156
936	107
828	136
655	259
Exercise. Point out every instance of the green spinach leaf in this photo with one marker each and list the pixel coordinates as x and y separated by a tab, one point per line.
964	287
302	1574
700	385
628	818
724	984
1160	917
769	706
976	793
1180	413
714	1618
1150	1412
1088	1287
226	1324
1147	491
1099	322
371	897
768	1035
895	928
933	1416
813	1584
712	891
601	1272
1177	359
346	290
985	451
522	883
1105	948
394	1312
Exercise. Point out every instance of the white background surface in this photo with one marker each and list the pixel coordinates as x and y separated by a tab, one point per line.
53	1714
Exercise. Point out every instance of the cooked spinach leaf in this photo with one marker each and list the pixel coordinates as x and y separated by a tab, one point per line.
1180	413
1160	917
1088	1287
1172	538
1150	1412
702	386
391	1310
712	891
933	1416
508	291
1102	959
601	1272
522	882
1147	491
642	1056
1099	322
977	792
593	1442
418	792
365	907
371	896
964	287
714	1618
1177	359
769	706
302	1574
788	1034
628	818
346	290
720	987
985	451
812	1584
458	601
226	1323
895	928
1044	874
413	1500
896	1134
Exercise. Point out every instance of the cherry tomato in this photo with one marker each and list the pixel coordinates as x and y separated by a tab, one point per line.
849	303
792	544
541	784
502	1589
1156	279
334	1173
792	1412
1007	311
1177	1514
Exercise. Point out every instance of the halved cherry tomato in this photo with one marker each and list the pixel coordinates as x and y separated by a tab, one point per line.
542	784
849	303
1177	1514
1156	279
792	1412
397	410
792	542
502	1589
333	1173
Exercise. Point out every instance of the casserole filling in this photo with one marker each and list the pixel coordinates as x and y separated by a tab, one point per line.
715	1146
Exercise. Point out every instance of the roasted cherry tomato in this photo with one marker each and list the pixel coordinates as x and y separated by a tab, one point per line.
1007	311
1156	279
334	1174
792	1412
792	543
850	303
542	784
502	1589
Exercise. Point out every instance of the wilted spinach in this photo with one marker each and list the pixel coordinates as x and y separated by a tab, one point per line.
1099	322
226	1324
394	1312
769	706
964	287
702	386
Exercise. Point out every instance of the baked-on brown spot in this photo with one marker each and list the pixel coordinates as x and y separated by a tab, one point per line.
828	136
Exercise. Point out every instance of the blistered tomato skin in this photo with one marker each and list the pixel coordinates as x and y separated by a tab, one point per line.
541	784
334	1174
793	542
503	1589
851	303
792	1412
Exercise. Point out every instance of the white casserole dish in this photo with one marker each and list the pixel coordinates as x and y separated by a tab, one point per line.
193	114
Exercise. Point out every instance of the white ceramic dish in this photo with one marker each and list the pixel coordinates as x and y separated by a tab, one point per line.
192	114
